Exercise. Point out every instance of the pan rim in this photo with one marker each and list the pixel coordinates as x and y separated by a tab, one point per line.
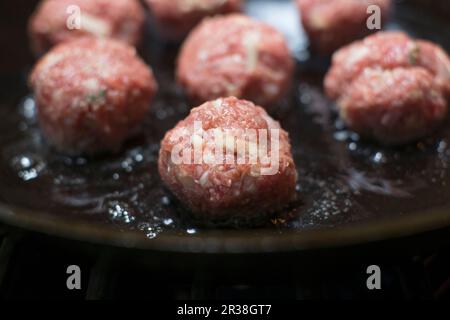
241	241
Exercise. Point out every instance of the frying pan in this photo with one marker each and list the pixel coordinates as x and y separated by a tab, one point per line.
351	192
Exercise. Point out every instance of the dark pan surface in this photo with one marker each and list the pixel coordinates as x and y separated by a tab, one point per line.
351	191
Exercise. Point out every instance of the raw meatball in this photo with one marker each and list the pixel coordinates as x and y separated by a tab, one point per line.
235	56
393	106
332	24
91	94
387	50
238	187
175	18
390	87
120	19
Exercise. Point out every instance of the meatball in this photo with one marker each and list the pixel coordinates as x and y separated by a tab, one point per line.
390	87
218	163
175	18
91	94
393	106
234	55
52	22
386	50
332	24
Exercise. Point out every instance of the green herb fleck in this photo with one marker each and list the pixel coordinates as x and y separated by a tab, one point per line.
413	55
96	97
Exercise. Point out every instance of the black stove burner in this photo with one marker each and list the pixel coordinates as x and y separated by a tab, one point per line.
34	266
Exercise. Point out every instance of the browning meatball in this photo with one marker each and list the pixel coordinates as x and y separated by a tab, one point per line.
235	55
234	183
175	18
120	19
390	87
332	24
91	94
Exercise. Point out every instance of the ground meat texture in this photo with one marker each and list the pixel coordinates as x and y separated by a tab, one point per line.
120	19
235	55
387	50
332	24
390	87
234	191
393	106
91	94
175	18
